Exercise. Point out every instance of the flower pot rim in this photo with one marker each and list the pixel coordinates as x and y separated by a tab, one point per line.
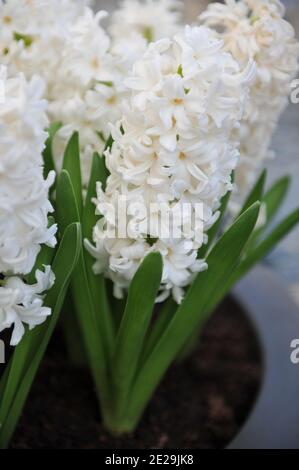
274	420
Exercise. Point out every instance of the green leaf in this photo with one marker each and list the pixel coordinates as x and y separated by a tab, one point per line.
66	205
71	163
10	381
272	202
256	194
199	301
29	353
3	382
49	164
133	328
265	246
67	212
164	316
275	196
98	174
97	283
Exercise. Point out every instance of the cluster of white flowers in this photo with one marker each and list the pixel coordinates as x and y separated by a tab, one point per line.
136	23
64	42
172	145
32	34
24	204
88	90
90	87
255	29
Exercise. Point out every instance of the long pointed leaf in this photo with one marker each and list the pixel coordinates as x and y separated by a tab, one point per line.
66	205
275	196
67	212
137	316
98	173
97	283
256	194
164	316
71	163
265	246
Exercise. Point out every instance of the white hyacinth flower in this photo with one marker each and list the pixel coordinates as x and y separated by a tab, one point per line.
22	304
255	29
24	203
172	145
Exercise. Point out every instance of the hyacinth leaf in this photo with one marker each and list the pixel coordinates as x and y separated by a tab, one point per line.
257	192
3	382
29	353
117	306
164	315
134	325
273	200
10	382
66	205
97	283
71	163
98	173
199	301
67	212
275	196
49	164
265	246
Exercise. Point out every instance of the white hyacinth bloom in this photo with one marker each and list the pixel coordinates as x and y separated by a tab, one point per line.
172	145
32	34
63	42
22	304
24	203
84	71
255	29
136	23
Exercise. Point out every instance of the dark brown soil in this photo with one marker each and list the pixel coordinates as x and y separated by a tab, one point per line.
202	403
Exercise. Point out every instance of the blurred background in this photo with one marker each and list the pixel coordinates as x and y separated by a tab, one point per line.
285	259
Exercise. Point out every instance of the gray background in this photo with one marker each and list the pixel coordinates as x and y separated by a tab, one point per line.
285	259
